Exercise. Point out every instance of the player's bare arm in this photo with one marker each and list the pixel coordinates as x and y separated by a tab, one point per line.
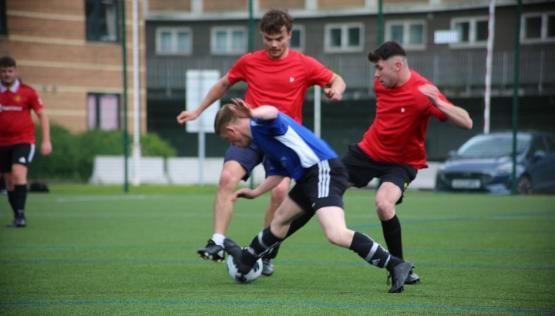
46	144
268	184
215	93
456	115
335	89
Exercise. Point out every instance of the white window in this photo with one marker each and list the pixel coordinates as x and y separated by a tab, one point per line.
230	40
411	34
174	41
103	111
343	37
472	31
538	27
297	38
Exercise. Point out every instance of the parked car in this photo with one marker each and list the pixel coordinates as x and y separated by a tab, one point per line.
484	163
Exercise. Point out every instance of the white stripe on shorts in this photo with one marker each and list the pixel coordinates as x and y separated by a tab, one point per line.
31	153
323	179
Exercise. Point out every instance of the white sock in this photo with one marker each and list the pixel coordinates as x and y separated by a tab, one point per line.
218	239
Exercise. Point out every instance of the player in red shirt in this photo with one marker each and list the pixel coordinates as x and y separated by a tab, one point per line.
274	73
17	135
392	148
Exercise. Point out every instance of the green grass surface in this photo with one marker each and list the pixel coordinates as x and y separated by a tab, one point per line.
92	250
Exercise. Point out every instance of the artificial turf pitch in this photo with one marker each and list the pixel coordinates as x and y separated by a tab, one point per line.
92	250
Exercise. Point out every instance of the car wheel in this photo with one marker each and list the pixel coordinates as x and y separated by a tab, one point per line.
524	185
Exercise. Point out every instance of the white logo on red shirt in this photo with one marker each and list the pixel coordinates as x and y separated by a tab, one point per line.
291	79
402	110
10	108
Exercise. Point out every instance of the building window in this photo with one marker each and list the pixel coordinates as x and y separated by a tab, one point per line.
538	27
3	20
343	37
297	38
174	41
410	34
472	31
103	111
228	40
102	20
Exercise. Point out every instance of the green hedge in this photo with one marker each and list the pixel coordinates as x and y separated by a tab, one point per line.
73	154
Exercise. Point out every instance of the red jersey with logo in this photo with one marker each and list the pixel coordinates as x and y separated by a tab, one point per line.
16	124
398	132
282	82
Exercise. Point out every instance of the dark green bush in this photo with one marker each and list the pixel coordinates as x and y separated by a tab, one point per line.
73	154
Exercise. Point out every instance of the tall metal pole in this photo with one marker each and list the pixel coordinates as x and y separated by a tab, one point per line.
136	98
489	57
516	84
379	24
251	26
124	101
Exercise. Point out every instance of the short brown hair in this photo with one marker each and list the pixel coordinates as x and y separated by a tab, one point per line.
224	116
274	20
7	61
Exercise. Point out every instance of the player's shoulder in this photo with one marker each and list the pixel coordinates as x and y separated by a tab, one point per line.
417	79
25	88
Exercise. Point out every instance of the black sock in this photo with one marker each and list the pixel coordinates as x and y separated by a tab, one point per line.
20	196
392	234
372	252
11	199
263	243
272	254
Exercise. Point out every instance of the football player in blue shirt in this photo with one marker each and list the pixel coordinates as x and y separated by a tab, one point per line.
320	181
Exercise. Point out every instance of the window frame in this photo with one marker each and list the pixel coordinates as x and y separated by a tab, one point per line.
406	24
91	31
472	31
302	37
97	108
344	27
544	28
174	42
229	48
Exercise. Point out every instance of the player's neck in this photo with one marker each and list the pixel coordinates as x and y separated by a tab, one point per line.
404	76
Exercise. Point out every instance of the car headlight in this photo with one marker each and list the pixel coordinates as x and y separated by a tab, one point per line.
505	168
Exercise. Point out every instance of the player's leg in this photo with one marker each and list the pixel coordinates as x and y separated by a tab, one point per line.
22	155
389	194
278	195
238	163
267	239
332	221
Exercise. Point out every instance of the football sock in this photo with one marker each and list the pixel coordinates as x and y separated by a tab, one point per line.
20	196
372	252
392	234
272	253
298	223
263	243
218	239
11	198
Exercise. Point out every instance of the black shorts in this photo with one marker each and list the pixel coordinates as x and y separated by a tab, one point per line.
248	158
362	169
16	154
322	185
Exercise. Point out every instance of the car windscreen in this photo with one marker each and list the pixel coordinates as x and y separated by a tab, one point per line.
492	146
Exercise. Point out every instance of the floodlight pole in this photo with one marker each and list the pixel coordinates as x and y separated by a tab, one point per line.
124	99
489	57
516	84
136	98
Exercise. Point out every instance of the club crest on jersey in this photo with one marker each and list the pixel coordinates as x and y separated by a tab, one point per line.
402	110
17	98
291	79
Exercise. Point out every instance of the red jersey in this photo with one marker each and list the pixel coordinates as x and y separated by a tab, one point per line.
282	82
16	124
398	132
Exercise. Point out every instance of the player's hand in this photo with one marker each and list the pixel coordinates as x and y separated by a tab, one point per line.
242	108
333	94
45	148
186	116
431	92
244	193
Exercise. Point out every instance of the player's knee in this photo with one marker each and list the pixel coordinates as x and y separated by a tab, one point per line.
385	208
279	194
228	180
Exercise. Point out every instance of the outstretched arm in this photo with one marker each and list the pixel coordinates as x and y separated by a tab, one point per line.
335	89
456	115
217	91
268	184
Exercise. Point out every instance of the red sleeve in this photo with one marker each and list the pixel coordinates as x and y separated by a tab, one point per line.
34	101
237	71
318	73
433	110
